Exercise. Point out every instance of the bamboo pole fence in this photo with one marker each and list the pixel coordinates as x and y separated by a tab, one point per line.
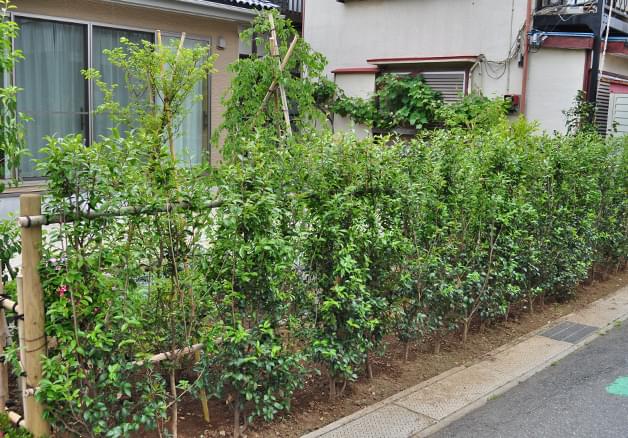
30	313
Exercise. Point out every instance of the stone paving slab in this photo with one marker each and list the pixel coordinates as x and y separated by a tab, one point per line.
449	395
601	312
526	355
431	405
389	421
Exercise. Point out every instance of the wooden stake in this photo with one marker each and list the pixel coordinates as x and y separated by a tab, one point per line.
33	306
202	394
274	49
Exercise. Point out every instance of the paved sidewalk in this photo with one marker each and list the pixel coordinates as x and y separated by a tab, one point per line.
584	395
431	405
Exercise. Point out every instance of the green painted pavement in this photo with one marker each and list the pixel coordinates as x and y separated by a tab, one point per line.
619	387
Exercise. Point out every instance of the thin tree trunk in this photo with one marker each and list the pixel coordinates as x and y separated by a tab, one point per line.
344	386
531	303
465	330
437	342
369	368
406	352
332	388
236	417
175	404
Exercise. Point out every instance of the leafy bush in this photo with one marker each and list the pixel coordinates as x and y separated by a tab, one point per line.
249	272
7	430
400	101
11	121
323	246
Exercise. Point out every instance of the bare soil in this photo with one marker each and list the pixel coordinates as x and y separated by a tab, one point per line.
312	409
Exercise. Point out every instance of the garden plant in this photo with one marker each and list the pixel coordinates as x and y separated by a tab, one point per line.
321	249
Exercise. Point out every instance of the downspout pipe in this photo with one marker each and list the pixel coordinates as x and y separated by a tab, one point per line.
526	59
596	27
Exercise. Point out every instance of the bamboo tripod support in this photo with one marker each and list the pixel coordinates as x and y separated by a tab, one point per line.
274	51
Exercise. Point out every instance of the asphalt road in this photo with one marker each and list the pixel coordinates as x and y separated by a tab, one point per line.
583	395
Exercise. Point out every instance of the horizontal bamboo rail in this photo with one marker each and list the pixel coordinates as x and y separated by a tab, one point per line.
44	219
160	357
16	419
10	305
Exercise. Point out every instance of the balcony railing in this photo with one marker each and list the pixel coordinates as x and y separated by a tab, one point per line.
578	6
292	6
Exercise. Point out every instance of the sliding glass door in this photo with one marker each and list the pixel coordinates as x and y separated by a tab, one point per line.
54	92
106	38
59	101
192	140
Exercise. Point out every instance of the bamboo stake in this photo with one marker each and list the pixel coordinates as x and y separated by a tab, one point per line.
20	335
202	394
273	85
33	306
274	49
4	335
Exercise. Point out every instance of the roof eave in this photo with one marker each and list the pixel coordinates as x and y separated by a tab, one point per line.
424	60
195	7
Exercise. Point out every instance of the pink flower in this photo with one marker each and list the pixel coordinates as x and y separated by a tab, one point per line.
61	290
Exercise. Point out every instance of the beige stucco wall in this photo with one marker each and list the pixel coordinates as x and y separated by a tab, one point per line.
350	33
555	77
151	19
616	64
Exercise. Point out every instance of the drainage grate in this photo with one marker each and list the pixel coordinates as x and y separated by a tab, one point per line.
569	332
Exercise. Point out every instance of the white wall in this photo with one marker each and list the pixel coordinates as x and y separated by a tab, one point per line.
354	85
555	77
350	33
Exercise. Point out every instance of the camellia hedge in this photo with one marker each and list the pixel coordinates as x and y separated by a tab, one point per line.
324	246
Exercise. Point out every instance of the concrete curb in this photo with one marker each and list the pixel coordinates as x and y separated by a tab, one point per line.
600	309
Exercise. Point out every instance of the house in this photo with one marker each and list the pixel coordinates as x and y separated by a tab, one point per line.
59	38
538	53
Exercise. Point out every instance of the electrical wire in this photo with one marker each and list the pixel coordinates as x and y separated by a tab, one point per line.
496	69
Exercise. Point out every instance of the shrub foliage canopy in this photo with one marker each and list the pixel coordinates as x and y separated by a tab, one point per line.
323	247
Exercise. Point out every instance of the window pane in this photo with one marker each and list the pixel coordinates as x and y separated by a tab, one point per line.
55	93
104	38
192	136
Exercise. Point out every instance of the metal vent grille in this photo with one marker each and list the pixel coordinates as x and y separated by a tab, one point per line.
601	107
451	85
